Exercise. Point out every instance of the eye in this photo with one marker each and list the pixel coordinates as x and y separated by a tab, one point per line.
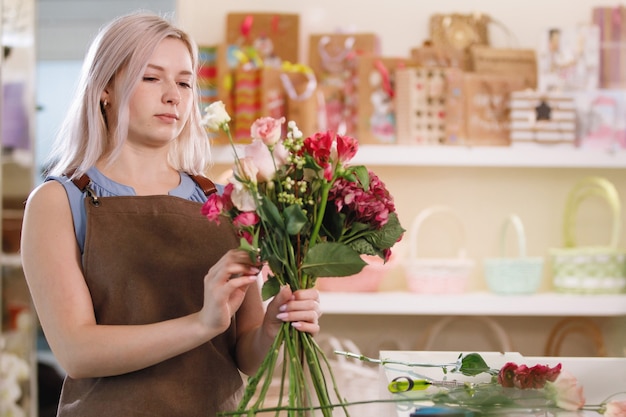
184	84
149	78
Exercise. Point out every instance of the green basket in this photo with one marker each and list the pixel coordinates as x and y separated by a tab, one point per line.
513	275
590	269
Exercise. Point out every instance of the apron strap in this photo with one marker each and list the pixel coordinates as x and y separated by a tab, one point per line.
206	184
208	187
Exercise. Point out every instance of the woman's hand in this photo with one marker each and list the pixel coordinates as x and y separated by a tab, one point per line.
225	287
301	308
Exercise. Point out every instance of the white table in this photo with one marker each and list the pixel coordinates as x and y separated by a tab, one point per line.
600	377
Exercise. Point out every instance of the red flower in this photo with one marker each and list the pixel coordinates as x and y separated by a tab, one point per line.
319	147
506	376
371	206
346	148
523	377
213	207
245	219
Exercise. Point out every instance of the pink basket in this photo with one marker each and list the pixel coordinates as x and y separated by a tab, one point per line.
368	280
436	275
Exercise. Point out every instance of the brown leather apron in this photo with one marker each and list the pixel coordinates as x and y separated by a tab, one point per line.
144	262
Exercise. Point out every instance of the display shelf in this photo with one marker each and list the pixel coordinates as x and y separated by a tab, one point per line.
474	304
530	156
10	259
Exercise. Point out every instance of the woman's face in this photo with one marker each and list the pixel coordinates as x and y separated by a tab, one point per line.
161	103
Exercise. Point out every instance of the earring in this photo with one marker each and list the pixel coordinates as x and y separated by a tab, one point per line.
105	102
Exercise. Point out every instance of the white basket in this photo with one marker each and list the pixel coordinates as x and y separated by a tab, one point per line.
437	275
514	275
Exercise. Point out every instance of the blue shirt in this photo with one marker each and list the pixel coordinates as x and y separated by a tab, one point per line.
103	186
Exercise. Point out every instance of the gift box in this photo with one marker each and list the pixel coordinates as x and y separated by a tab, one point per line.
376	91
611	22
506	61
274	36
601	124
333	58
302	95
569	59
420	105
215	81
477	108
543	117
257	92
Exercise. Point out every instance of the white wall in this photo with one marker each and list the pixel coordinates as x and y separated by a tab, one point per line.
402	24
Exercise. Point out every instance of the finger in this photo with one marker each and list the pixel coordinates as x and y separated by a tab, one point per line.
308	316
306	327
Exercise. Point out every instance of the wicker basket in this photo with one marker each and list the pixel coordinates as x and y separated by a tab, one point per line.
590	269
436	275
507	275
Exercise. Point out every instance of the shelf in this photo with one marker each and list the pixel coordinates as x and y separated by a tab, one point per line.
474	304
529	156
11	259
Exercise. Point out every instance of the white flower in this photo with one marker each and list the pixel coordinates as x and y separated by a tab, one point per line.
216	117
13	370
241	197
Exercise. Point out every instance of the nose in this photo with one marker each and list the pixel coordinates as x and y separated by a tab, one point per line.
171	94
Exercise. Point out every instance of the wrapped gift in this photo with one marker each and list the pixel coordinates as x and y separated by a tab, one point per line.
506	61
420	105
215	81
274	35
601	124
477	108
543	117
376	115
333	58
302	95
612	28
257	92
569	59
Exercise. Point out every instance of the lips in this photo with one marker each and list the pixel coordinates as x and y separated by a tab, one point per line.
167	117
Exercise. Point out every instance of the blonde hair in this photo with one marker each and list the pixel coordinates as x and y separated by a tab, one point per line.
117	59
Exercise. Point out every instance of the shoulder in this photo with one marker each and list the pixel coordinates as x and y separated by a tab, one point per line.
49	193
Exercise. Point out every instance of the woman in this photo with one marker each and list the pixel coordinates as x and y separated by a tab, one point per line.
146	304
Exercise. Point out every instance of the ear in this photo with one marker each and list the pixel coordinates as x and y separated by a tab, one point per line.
104	96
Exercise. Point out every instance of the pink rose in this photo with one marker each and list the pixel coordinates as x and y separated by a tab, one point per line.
245	219
246	170
265	161
615	409
213	207
566	392
267	129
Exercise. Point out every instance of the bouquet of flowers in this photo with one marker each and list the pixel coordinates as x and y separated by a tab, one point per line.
510	390
301	208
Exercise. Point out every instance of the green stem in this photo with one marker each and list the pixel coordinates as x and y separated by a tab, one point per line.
320	214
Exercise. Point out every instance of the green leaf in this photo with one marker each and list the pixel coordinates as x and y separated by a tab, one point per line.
362	173
330	259
295	219
269	212
389	234
270	288
473	364
250	248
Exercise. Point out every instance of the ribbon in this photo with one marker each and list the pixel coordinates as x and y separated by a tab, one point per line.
384	73
246	26
303	69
